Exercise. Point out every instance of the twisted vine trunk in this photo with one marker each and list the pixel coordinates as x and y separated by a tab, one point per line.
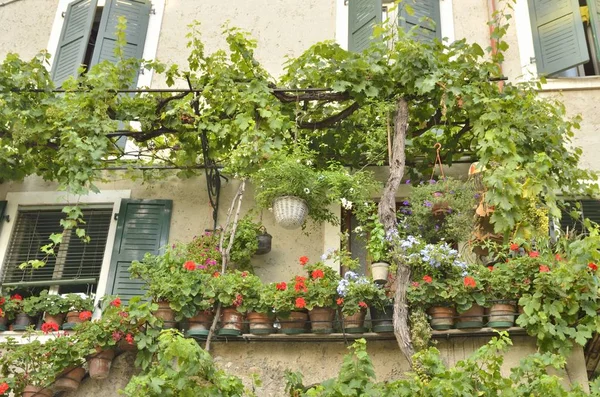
387	216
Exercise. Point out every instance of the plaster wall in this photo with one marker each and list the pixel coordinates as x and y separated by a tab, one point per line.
318	361
25	26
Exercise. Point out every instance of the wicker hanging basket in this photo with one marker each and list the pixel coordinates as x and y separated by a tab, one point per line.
290	211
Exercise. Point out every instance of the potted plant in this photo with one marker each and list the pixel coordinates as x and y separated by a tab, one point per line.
245	243
80	309
8	310
320	296
232	290
54	307
66	355
441	210
433	295
203	250
378	248
30	310
198	305
260	310
470	298
289	304
355	294
382	312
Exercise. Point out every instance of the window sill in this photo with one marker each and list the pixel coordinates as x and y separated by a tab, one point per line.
572	84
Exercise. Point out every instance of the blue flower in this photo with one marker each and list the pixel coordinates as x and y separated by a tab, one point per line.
406	202
432	182
407	182
427	203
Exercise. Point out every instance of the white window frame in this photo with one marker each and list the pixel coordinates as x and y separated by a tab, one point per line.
341	21
150	45
21	200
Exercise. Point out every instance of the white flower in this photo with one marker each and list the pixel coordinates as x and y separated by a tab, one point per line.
298	161
347	204
324	257
306	190
358	229
308	162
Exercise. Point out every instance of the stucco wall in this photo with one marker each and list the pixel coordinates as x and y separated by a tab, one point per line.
25	26
319	361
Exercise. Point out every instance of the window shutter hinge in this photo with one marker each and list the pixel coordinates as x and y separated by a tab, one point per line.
63	14
153	11
116	216
345	2
532	60
6	218
142	71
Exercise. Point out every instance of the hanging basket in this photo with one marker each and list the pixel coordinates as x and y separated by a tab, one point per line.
290	212
264	242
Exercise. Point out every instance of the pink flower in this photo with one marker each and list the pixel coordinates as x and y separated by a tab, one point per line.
116	336
129	339
415	284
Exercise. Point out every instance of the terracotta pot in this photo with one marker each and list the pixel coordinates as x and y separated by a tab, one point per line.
355	323
166	314
125	346
295	323
69	379
201	321
31	391
99	364
260	323
22	321
379	271
502	315
382	319
57	319
321	320
472	318
442	317
72	320
3	322
232	321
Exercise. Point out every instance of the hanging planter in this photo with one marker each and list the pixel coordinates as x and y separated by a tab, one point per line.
290	212
69	379
379	271
264	242
99	364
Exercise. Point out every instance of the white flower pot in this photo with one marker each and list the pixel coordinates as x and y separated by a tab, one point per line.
290	211
379	271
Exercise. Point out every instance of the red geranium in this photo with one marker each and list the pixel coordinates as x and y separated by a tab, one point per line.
16	297
189	265
117	336
116	302
318	273
300	286
544	269
49	327
491	268
281	286
534	254
4	387
340	301
85	315
362	304
2	300
593	266
469	282
244	274
129	339
238	300
558	257
514	247
216	274
415	284
1	313
303	260
427	279
300	303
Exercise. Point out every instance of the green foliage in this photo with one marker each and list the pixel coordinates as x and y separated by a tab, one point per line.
321	285
51	304
245	243
77	303
357	293
420	330
238	289
181	368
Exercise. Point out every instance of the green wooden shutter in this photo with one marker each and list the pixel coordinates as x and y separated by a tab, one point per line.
137	14
426	16
558	35
142	226
74	39
363	15
594	13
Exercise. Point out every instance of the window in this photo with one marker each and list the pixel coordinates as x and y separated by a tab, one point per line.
363	15
88	34
565	36
586	208
76	265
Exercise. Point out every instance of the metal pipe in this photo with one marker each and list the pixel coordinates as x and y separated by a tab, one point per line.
43	283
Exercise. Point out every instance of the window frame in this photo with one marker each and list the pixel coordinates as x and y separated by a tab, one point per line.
19	200
150	44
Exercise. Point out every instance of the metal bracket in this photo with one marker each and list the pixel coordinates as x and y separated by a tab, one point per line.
6	218
116	216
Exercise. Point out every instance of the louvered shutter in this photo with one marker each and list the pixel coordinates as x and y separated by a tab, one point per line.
74	39
137	14
75	262
594	13
363	16
588	209
143	226
426	16
558	35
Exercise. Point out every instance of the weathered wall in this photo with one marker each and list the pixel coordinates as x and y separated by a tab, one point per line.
25	26
319	361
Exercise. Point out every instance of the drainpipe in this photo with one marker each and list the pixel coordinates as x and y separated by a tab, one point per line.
493	42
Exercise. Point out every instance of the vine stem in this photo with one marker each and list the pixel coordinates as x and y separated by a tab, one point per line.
237	200
387	216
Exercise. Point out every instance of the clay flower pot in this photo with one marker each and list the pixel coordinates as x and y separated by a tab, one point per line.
22	321
260	323
442	317
232	322
3	322
379	271
295	323
99	363
57	319
382	319
31	391
321	320
502	315
166	314
472	318
69	379
355	323
200	324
